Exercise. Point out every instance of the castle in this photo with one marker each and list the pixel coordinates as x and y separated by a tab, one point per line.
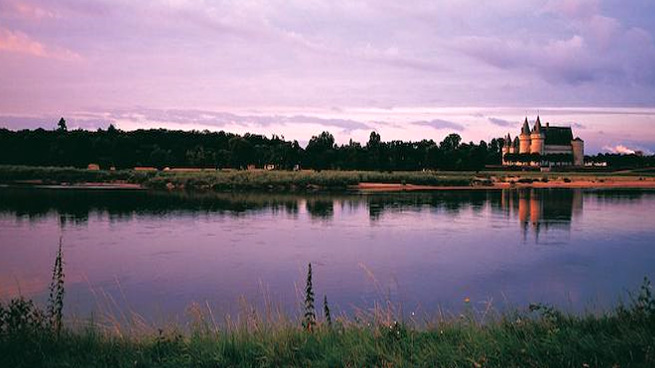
543	146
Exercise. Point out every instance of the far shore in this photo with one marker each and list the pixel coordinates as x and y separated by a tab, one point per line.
367	187
615	183
311	181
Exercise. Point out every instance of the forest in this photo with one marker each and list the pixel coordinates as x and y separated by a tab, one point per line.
162	148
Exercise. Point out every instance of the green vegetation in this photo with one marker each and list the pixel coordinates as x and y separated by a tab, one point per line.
538	337
231	179
253	180
543	337
58	175
162	148
57	291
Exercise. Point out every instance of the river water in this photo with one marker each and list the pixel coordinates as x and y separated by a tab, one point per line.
154	253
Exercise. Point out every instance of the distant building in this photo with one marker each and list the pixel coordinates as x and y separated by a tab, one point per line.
543	146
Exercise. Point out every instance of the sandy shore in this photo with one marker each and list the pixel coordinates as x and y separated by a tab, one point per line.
88	185
614	182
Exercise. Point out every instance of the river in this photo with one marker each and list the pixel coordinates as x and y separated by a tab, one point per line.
155	253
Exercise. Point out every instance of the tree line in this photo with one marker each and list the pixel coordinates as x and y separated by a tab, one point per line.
204	149
162	148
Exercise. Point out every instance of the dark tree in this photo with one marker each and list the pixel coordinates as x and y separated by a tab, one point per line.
321	151
167	148
61	125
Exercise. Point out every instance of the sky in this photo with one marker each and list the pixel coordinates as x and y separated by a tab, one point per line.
408	70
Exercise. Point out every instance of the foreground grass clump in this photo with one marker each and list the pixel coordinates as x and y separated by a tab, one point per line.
609	341
538	337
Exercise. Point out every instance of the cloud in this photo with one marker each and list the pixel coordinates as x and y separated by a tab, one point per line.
345	124
574	9
598	111
502	123
221	119
199	54
592	48
180	117
619	149
19	42
440	124
622	149
26	10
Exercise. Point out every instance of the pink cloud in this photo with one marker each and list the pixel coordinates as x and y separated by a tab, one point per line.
574	9
19	42
619	148
26	10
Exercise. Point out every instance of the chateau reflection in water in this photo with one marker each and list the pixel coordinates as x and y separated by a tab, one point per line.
540	209
536	209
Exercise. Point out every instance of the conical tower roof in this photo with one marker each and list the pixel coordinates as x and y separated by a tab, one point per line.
537	126
526	127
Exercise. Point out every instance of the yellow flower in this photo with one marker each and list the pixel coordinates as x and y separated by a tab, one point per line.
467	300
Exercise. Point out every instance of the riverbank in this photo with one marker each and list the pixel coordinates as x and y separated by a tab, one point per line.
608	182
308	180
539	337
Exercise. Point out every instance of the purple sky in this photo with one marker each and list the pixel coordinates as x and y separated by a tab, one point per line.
297	67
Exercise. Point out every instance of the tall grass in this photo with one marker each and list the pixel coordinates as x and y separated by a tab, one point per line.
309	318
537	339
540	336
57	291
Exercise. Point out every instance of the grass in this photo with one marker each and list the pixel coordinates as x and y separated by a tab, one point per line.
235	180
549	339
540	336
57	175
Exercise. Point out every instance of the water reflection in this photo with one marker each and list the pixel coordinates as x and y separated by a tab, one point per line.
429	249
541	209
534	208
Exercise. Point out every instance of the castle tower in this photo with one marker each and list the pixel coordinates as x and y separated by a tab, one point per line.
524	138
537	138
515	145
507	143
577	145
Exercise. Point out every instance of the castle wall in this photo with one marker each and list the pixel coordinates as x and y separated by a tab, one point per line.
534	141
557	149
578	152
537	144
524	145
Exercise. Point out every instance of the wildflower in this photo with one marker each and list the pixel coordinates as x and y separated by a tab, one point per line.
467	300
